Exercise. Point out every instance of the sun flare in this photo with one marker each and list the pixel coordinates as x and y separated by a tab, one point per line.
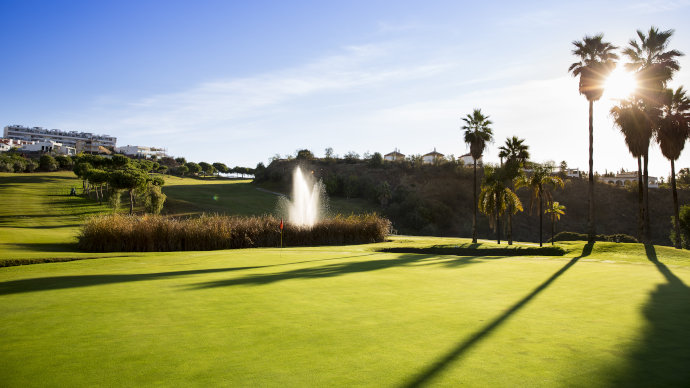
620	84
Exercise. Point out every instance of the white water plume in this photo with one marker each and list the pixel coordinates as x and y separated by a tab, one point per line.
306	206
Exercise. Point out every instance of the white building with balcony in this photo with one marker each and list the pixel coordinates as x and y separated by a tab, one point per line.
141	151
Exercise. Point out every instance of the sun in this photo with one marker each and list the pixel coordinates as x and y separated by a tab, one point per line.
620	84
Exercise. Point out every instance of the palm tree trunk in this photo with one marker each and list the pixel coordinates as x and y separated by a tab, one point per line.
646	199
640	200
474	208
675	204
591	231
510	224
498	225
131	202
553	227
541	214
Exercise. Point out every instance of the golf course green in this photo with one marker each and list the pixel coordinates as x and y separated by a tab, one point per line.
602	315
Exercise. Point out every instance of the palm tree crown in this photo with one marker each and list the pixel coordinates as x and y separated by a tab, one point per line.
514	150
654	66
477	132
597	60
673	129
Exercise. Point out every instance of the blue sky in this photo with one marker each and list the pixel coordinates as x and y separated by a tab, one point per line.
238	82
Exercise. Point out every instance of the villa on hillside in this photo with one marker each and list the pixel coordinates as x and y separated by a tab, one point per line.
49	146
468	160
432	157
142	152
627	177
394	156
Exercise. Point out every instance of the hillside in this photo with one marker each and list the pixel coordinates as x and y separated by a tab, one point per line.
437	200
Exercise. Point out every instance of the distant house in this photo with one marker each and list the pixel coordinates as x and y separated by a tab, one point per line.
141	151
432	157
468	160
394	156
46	146
573	173
628	177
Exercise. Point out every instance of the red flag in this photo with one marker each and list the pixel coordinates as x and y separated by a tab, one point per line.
281	224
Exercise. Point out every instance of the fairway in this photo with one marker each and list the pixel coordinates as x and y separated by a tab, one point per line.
603	315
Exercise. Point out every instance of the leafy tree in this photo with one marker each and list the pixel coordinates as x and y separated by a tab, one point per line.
684	236
653	67
539	183
496	198
205	168
516	154
47	163
304	155
671	136
329	154
154	199
477	133
376	160
97	178
194	168
181	160
683	180
120	161
555	211
351	157
182	170
31	165
129	179
64	162
220	167
597	60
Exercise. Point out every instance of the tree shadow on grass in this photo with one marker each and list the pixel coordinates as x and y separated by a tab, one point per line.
460	349
63	282
325	271
44	247
662	355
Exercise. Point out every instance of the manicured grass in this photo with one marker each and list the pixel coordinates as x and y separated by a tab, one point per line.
603	315
343	316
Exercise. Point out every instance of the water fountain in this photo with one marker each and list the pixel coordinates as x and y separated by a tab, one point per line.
308	200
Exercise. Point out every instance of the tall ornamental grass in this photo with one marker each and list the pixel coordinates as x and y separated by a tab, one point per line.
154	233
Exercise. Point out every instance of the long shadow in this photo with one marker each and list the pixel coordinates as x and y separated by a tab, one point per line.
62	282
325	271
454	355
46	247
662	356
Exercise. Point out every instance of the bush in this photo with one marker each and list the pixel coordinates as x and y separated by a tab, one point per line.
684	217
154	199
573	236
47	163
150	233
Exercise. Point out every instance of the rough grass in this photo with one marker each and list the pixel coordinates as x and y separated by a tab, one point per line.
122	233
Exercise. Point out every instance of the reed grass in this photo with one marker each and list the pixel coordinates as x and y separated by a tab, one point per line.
154	233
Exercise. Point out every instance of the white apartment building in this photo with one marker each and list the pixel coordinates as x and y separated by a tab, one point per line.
141	151
67	138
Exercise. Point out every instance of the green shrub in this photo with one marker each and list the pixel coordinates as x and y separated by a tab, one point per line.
573	236
154	199
684	217
47	163
123	233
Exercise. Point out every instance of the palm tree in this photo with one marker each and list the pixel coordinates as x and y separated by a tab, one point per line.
654	67
516	154
496	198
477	133
633	123
597	60
671	136
555	210
540	183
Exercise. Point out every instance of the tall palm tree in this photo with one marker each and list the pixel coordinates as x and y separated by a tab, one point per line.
671	136
496	198
597	60
555	210
516	154
654	67
540	183
633	123
477	133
